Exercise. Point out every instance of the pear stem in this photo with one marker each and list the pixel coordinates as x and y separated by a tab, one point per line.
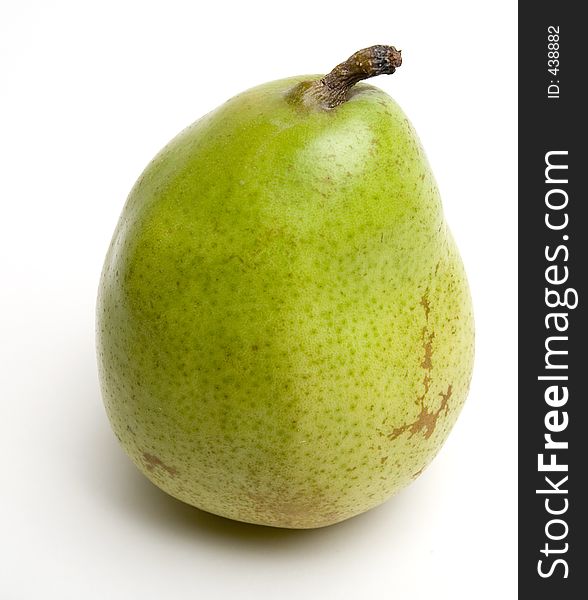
333	89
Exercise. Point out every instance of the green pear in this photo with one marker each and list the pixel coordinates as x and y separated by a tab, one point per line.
284	326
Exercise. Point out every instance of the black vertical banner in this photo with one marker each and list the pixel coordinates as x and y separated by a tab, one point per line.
553	269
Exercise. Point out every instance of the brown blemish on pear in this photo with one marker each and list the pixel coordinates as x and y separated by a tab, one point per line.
428	338
426	420
425	304
152	462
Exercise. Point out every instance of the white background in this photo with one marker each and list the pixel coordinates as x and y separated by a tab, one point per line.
89	93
